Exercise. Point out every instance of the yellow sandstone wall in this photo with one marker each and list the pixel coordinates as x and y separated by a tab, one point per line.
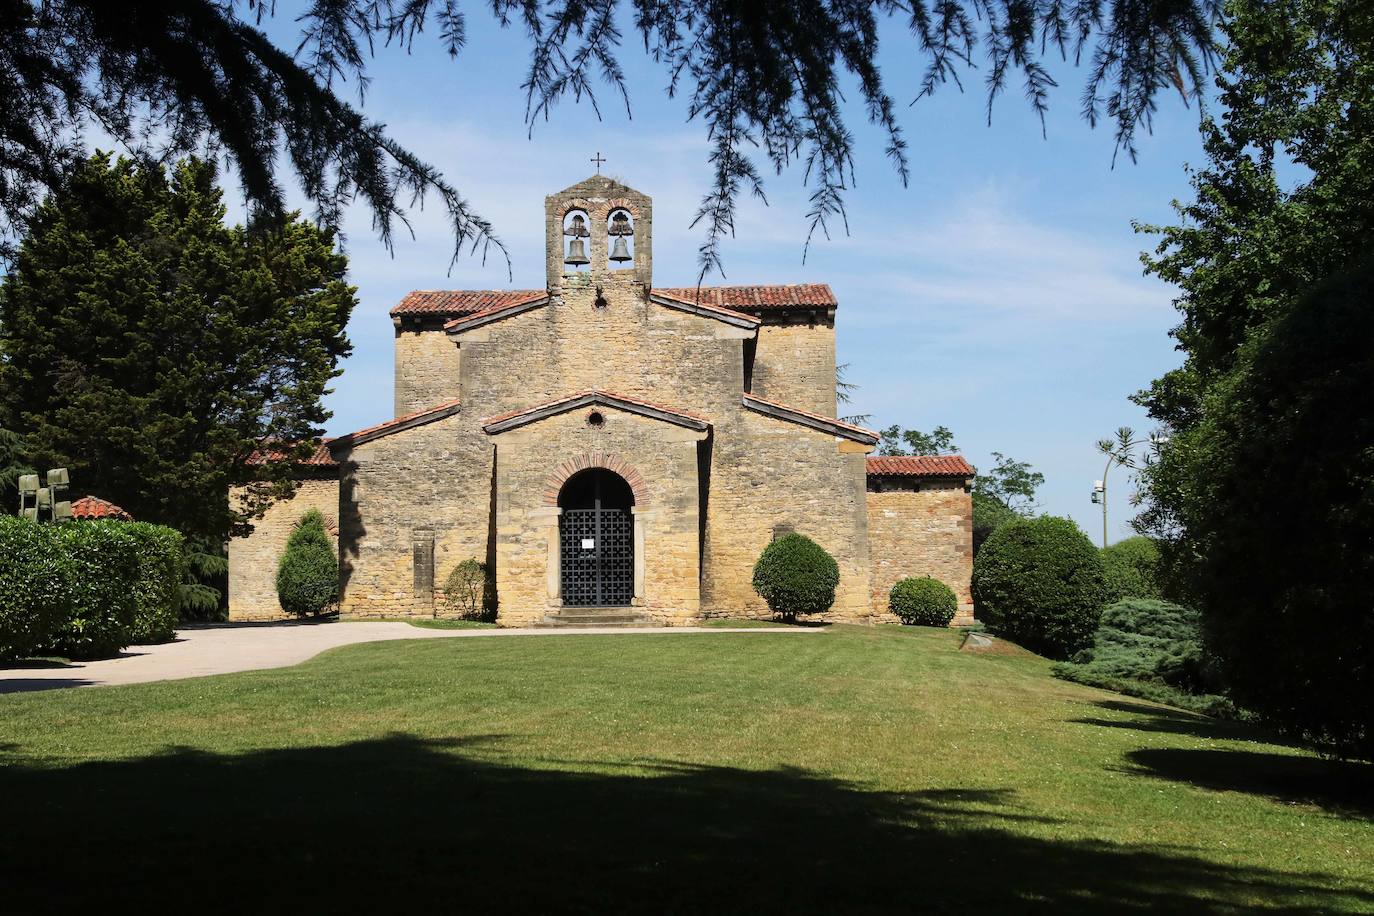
794	364
253	559
921	532
427	369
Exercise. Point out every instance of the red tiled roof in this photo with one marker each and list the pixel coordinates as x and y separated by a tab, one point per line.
436	412
858	432
757	298
718	311
919	466
465	322
318	458
89	507
454	302
599	396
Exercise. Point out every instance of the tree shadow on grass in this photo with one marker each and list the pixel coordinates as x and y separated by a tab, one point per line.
1341	787
1162	719
401	822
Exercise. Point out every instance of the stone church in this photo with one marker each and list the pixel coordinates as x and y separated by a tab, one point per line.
613	450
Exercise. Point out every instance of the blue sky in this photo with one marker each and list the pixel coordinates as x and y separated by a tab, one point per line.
999	294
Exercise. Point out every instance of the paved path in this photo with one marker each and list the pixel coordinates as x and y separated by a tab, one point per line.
200	651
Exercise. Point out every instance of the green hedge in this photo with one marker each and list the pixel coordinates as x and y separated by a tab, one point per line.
923	602
308	574
86	589
1039	582
35	587
795	576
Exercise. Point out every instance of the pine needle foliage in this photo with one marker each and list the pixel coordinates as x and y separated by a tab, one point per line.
172	77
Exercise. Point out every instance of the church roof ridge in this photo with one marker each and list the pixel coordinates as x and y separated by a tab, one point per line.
456	302
738	300
406	421
814	420
599	396
919	466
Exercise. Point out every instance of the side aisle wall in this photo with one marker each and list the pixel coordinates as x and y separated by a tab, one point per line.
253	560
921	528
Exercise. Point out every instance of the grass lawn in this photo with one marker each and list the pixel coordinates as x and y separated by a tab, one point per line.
849	770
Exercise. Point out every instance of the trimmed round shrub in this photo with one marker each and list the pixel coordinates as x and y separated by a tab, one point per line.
1039	582
795	576
923	601
35	587
468	591
308	574
1130	567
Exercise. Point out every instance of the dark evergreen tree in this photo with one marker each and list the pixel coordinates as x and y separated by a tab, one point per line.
1262	499
765	77
150	348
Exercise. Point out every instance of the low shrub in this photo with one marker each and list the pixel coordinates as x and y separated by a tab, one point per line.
158	587
102	565
308	574
469	591
1039	582
795	576
923	602
34	587
1131	569
1147	640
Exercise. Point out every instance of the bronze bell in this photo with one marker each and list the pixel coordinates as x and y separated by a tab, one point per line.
577	253
619	251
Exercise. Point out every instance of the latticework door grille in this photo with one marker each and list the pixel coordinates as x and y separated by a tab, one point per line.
597	557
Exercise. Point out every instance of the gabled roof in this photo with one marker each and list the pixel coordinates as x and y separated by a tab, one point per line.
516	418
706	310
494	313
769	298
91	507
318	458
813	420
408	421
919	466
456	302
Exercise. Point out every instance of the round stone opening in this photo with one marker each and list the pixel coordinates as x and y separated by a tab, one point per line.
596	419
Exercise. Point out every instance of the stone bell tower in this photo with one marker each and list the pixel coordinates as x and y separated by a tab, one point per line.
598	233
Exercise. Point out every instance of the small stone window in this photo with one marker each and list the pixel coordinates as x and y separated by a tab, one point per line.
596	419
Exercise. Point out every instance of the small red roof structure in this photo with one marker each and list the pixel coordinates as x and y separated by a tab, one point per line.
919	466
93	507
320	458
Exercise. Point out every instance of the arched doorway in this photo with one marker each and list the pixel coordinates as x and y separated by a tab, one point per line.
596	540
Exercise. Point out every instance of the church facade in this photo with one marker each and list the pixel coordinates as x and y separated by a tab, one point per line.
614	451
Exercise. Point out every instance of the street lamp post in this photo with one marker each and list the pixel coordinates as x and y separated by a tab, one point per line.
1120	451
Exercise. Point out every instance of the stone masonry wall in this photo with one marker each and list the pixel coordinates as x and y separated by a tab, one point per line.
427	369
531	463
921	532
253	559
770	475
794	364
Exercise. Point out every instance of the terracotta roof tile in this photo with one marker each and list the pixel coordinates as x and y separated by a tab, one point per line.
371	432
318	458
919	466
757	298
455	302
90	507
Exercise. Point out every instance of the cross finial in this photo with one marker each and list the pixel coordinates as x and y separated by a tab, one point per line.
598	160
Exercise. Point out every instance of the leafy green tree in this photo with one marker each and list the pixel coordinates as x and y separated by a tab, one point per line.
898	441
172	77
1131	568
1011	483
149	347
1261	498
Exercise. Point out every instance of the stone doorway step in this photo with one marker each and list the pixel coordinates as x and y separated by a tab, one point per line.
596	617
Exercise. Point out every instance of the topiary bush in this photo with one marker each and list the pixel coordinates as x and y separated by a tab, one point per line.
795	576
1131	569
1040	583
35	587
923	602
469	591
308	574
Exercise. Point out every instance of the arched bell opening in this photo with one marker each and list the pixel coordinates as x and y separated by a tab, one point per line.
596	540
576	227
621	230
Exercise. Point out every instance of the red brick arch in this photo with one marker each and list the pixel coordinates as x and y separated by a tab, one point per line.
605	460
